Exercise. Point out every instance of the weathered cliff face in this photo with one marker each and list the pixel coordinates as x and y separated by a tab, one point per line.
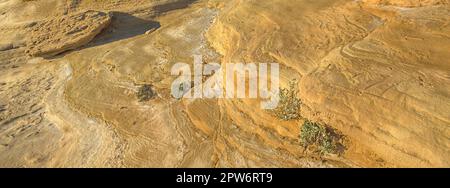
377	72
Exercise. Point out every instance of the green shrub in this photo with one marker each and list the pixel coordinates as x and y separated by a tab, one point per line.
289	104
309	133
321	138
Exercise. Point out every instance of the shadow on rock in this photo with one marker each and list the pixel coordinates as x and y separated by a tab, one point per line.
124	26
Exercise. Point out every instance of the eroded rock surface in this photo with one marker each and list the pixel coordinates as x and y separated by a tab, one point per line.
408	3
56	35
376	71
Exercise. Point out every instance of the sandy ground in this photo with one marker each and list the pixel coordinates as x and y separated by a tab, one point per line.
378	71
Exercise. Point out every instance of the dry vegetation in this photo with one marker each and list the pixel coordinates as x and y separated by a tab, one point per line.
323	139
289	105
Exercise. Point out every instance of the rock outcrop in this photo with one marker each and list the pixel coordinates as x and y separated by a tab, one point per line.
57	35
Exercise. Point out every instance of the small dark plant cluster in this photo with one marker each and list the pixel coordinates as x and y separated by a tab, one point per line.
321	138
145	93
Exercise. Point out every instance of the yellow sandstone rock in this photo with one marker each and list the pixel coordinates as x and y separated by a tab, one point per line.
375	71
